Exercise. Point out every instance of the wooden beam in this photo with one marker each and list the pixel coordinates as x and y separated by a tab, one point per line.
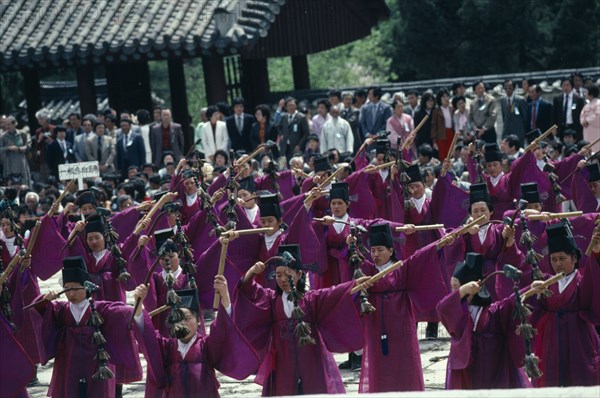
255	82
214	78
300	72
86	89
33	95
129	86
179	100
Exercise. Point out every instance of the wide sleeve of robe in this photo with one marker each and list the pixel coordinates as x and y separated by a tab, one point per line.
581	193
46	257
334	312
16	369
124	222
207	266
300	231
362	202
228	350
454	315
449	204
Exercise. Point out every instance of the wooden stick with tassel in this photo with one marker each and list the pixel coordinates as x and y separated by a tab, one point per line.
222	258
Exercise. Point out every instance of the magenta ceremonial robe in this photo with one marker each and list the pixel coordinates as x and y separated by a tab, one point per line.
566	343
564	171
491	249
449	204
16	369
171	375
286	182
320	206
46	260
389	203
417	284
362	203
583	196
489	356
23	287
335	326
104	272
207	266
123	222
338	266
509	185
70	344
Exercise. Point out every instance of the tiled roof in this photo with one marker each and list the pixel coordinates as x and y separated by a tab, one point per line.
48	33
61	99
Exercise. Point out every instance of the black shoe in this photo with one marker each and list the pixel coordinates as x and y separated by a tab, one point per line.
431	332
346	365
356	362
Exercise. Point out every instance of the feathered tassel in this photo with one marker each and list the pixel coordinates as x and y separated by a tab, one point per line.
192	283
358	274
189	268
560	198
115	251
169	279
103	373
408	204
297	313
526	330
95	319
522	311
175	316
528	239
179	330
173	297
302	331
102	355
366	307
531	366
124	276
537	274
532	257
98	338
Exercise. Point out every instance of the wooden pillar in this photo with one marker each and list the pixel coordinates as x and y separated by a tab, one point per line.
33	95
86	89
255	83
129	86
214	78
179	100
300	72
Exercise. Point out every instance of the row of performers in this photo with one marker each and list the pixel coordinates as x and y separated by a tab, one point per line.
109	270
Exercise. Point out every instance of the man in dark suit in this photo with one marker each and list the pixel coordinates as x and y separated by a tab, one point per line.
514	112
374	115
130	148
59	151
351	115
539	111
166	136
239	126
293	129
566	108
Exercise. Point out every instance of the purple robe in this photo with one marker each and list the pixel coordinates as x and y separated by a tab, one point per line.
70	344
389	203
449	204
362	202
286	182
417	284
103	273
23	287
509	185
338	266
566	342
564	171
335	326
583	196
494	258
170	375
16	369
488	357
207	267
